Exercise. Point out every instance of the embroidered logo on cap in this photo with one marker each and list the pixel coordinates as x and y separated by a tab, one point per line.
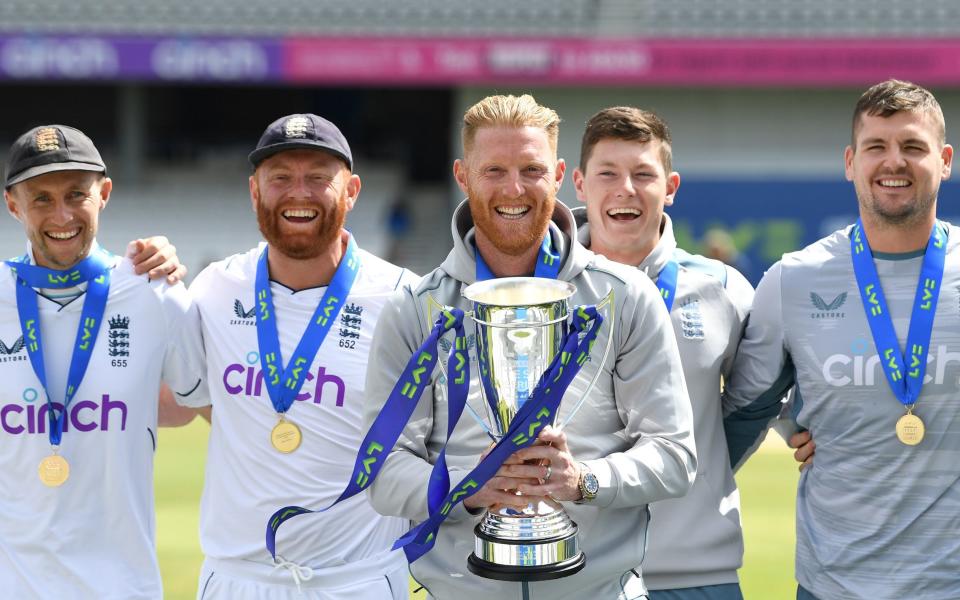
46	139
296	127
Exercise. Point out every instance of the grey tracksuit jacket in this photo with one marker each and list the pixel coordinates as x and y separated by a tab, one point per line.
634	431
696	540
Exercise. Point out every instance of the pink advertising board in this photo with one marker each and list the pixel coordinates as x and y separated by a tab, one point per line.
415	61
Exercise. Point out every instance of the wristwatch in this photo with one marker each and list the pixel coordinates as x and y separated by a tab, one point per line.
589	485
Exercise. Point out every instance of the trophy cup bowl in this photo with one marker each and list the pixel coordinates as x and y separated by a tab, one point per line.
520	326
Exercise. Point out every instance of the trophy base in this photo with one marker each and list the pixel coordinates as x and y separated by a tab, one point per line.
526	560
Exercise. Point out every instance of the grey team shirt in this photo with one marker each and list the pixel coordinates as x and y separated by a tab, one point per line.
696	540
875	518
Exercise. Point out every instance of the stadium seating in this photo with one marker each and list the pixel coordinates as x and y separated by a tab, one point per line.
644	18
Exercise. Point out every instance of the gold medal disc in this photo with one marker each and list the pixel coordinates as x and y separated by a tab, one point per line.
53	470
910	429
285	436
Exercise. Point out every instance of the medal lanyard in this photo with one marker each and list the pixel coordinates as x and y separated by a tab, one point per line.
667	283
95	270
268	339
905	377
548	262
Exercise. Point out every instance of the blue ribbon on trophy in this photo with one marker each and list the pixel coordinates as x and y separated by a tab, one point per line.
518	426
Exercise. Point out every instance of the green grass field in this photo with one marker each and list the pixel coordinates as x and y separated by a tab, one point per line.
767	487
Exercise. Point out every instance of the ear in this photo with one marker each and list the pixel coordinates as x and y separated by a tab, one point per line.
254	192
460	174
947	155
353	191
848	162
106	187
673	184
12	207
560	170
578	185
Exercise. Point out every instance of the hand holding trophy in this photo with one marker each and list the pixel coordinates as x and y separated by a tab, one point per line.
522	328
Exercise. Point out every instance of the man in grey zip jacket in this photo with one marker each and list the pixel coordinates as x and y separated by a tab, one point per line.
625	178
633	434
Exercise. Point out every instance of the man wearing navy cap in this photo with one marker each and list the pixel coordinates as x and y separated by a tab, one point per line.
85	344
287	329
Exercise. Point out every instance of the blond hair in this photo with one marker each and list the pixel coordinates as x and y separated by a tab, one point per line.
509	111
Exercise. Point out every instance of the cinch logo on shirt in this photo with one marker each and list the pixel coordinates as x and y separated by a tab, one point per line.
827	310
841	370
85	415
248	380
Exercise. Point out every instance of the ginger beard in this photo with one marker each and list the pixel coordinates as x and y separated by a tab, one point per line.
326	227
512	236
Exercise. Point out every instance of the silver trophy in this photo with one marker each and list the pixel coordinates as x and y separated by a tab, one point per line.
520	326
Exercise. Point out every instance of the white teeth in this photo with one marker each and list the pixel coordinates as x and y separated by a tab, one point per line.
63	235
623	211
512	210
894	182
300	212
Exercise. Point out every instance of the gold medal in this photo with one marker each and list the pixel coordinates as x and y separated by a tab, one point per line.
53	470
910	429
285	436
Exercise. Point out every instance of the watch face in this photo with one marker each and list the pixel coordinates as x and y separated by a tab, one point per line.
591	484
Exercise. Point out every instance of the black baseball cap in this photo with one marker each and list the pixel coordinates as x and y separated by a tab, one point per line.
301	131
51	148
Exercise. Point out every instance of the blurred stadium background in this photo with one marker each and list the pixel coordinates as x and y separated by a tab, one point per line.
759	95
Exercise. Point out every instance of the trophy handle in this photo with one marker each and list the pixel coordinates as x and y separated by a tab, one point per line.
608	303
433	312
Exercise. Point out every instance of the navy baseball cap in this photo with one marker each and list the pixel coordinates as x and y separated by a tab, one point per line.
301	131
51	148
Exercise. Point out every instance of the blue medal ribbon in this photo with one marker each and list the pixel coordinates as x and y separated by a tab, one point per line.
283	383
905	377
92	266
667	283
95	271
538	412
548	262
393	417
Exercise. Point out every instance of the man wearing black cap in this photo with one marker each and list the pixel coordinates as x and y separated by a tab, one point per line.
287	329
84	343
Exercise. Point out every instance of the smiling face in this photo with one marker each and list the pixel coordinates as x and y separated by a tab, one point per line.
301	198
60	212
511	176
625	187
896	165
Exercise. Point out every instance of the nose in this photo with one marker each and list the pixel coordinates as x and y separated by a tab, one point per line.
895	159
299	188
61	213
627	188
513	185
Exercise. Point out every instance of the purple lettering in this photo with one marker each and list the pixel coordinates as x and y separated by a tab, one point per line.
258	386
31	419
234	368
322	379
75	416
105	409
305	395
3	418
44	415
249	387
